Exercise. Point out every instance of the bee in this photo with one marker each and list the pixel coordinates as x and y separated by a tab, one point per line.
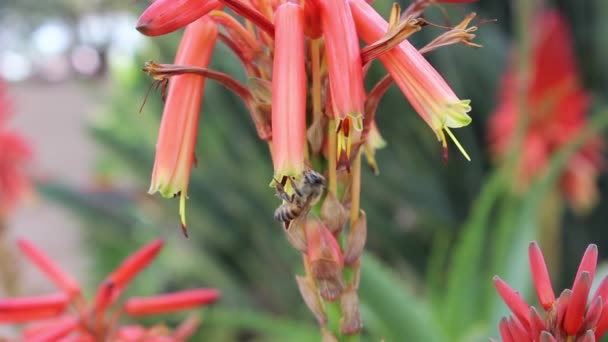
306	193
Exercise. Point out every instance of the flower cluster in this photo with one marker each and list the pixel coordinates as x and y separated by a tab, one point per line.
556	104
293	53
15	153
305	94
96	322
570	317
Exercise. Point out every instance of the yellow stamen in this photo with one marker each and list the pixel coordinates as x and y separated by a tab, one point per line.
464	153
182	212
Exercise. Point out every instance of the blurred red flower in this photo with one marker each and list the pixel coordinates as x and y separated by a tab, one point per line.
566	318
95	322
15	152
556	106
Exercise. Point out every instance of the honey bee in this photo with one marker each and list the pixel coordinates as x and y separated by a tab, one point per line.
306	193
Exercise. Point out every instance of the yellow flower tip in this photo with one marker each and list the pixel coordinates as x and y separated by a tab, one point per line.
370	156
456	115
182	212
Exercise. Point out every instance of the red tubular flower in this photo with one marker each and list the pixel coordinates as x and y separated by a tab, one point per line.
137	306
13	310
91	323
166	16
179	125
556	105
343	59
423	86
567	317
289	93
63	280
345	74
56	331
117	280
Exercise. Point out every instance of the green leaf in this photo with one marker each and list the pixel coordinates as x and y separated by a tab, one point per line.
405	317
274	328
461	302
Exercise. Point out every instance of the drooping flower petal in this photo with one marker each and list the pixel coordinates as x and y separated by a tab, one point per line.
289	93
345	73
426	90
179	125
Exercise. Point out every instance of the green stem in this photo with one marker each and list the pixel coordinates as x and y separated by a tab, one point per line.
524	11
334	315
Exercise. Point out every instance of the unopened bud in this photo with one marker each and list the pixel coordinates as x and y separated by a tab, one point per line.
356	240
325	260
296	234
316	133
309	294
333	214
351	317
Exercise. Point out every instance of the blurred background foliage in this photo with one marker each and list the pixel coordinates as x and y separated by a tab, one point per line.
437	233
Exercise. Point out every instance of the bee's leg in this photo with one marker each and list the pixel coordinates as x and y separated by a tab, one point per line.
280	187
295	187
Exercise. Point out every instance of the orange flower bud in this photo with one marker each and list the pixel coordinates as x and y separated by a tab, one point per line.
138	306
166	16
179	125
289	92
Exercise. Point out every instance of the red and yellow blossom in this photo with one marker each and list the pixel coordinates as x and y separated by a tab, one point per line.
556	104
99	320
572	316
289	92
426	90
175	152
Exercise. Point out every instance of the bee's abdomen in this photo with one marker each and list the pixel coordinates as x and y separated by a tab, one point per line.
286	213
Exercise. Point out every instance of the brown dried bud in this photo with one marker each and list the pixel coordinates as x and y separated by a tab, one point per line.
356	240
325	259
316	133
309	294
296	234
351	317
333	214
